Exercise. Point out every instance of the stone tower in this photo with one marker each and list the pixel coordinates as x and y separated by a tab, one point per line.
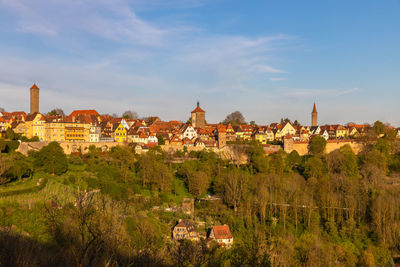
221	137
314	116
198	117
34	98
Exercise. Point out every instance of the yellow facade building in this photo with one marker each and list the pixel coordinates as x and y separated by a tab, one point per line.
55	131
120	133
36	126
76	132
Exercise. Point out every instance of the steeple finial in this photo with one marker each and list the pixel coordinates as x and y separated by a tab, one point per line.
198	103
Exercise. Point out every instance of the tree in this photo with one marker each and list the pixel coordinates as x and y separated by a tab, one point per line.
285	120
314	168
379	128
317	145
257	157
15	166
161	179
21	166
11	135
343	161
124	158
234	183
2	109
130	114
56	111
294	159
91	232
198	183
161	139
154	173
52	159
235	118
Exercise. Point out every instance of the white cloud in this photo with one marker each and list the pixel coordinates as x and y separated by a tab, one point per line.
110	19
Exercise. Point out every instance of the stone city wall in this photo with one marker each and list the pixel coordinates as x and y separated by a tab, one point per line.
331	145
68	147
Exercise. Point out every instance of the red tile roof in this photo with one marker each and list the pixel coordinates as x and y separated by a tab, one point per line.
84	112
198	109
34	86
222	232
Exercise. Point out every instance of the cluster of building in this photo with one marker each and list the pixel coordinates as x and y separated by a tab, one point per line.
91	127
186	229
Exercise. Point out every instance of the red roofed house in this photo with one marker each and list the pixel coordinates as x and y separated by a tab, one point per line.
221	234
85	116
176	141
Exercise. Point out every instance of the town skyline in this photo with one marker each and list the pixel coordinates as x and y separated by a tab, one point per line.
268	60
248	120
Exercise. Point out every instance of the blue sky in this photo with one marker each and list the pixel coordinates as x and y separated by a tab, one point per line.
268	59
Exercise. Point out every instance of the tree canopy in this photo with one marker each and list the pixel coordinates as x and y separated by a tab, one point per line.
235	118
317	145
56	111
51	159
130	114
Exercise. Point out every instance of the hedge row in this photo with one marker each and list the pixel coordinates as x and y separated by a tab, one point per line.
26	190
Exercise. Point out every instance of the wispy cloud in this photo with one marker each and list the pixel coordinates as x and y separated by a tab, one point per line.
277	79
120	59
307	93
111	19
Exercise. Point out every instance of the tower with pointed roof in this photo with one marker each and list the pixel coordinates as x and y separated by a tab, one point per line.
198	117
34	99
314	116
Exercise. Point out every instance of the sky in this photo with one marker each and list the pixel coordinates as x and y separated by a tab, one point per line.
267	59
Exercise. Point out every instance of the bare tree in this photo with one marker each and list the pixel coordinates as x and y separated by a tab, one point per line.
130	114
235	186
235	118
92	231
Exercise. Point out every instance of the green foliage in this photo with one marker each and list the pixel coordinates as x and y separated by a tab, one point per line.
343	161
161	140
14	166
154	173
379	128
338	208
317	145
51	159
294	159
8	146
278	162
258	160
314	168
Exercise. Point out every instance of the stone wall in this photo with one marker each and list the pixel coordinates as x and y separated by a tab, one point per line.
68	147
331	145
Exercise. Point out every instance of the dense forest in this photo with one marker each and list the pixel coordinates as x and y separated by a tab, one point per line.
117	208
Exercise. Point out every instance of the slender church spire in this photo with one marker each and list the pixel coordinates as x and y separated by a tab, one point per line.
314	116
